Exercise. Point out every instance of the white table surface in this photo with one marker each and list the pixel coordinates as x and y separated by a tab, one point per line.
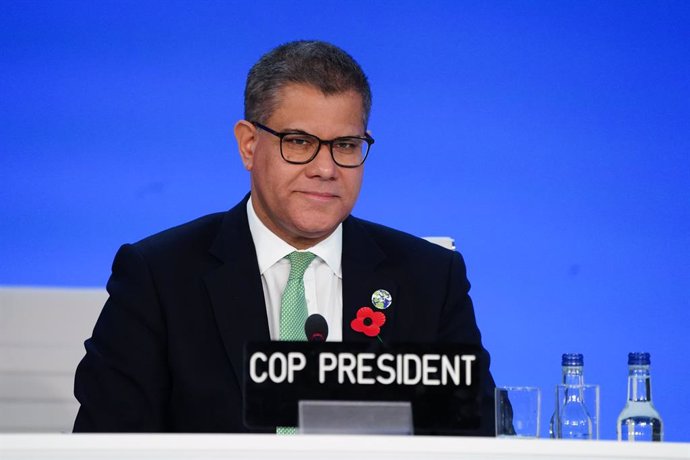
317	447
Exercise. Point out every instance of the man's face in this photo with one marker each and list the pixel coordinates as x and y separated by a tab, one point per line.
303	204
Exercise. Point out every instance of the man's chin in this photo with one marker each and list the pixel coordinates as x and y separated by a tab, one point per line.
310	235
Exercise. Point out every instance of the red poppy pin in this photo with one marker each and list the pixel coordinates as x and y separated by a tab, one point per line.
368	322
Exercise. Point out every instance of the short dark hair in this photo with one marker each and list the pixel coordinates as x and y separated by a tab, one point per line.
315	63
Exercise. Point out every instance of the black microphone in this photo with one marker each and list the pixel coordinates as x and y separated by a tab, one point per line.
316	328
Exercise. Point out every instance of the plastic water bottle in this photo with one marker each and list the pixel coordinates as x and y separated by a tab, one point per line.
639	420
572	420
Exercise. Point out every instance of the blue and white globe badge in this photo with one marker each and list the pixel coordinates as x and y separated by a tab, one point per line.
381	299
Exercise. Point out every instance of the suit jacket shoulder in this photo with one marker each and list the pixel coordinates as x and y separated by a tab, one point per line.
400	246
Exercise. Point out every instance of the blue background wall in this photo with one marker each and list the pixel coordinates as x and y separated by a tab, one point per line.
551	139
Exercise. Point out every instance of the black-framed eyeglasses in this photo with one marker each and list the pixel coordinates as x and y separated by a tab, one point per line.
298	147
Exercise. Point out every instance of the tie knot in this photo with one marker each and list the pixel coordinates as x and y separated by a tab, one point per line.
299	261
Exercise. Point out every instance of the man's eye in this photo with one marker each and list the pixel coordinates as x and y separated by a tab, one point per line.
348	144
298	140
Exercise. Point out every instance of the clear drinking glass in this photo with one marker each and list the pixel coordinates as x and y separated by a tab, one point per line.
518	411
586	399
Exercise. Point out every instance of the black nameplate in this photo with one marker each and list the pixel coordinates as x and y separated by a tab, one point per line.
442	381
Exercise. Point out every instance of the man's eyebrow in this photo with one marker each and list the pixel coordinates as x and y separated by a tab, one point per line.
301	131
296	131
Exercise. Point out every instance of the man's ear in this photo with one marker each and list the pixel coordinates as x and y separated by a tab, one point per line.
245	134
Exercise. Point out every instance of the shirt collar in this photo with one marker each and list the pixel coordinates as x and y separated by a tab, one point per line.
270	248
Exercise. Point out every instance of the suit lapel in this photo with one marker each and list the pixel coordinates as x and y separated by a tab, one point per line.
364	273
235	287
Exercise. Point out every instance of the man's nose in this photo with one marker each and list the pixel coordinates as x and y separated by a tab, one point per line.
323	163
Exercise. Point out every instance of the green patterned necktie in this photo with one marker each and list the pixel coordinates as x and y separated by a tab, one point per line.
293	308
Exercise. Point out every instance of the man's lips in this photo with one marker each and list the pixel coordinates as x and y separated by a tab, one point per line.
321	196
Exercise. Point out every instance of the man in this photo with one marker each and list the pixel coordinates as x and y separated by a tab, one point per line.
166	352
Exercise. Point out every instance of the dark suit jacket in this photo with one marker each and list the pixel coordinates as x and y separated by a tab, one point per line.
166	352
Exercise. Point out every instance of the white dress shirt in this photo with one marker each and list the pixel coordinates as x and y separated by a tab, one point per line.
323	280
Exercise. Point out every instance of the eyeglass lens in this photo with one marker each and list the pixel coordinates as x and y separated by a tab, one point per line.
348	151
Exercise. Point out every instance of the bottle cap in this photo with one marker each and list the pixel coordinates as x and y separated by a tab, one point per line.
638	359
572	359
